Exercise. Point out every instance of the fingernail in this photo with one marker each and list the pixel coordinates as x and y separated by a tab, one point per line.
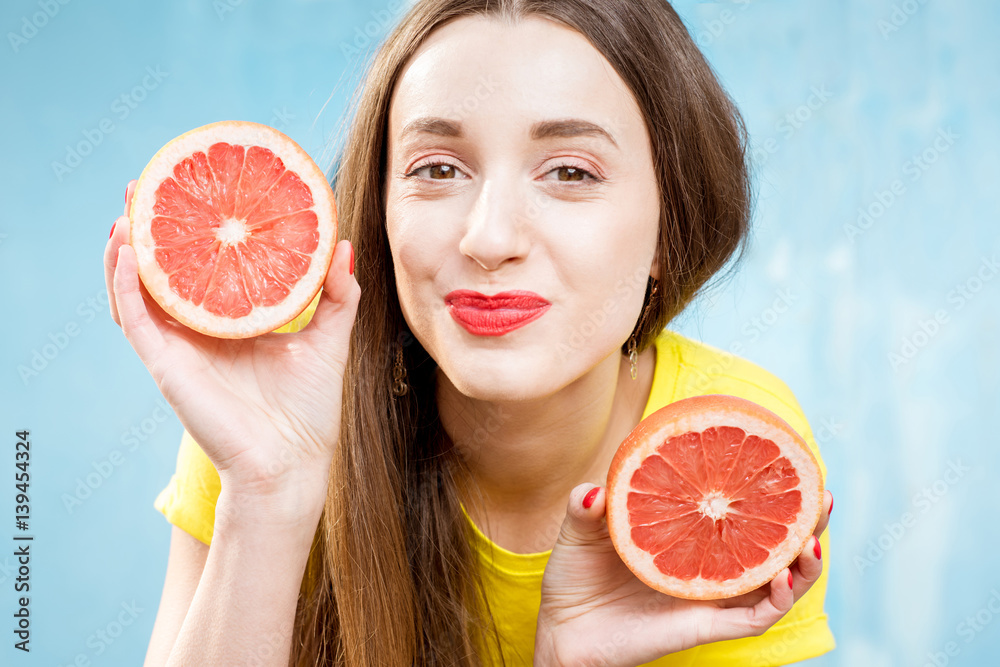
790	580
818	550
126	193
112	229
831	504
352	260
588	499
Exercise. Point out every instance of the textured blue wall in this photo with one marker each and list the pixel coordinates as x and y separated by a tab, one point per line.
871	287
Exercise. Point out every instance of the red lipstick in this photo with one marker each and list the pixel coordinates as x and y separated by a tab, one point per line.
495	315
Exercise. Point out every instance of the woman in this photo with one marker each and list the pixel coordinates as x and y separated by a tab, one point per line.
415	478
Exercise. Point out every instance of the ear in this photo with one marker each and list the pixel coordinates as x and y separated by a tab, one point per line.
654	268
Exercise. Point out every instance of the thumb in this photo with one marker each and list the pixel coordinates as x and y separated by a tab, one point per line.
338	304
584	523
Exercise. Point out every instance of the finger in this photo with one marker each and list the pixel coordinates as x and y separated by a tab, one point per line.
139	328
737	622
129	191
807	567
584	522
824	515
335	312
119	236
120	231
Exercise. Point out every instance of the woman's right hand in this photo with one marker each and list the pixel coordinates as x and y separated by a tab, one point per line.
265	410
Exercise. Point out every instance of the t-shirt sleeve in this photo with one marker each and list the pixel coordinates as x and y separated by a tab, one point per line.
188	500
803	632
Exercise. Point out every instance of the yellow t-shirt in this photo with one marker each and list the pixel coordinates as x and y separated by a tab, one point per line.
513	581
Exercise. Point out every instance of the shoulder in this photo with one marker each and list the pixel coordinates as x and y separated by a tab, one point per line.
686	367
705	369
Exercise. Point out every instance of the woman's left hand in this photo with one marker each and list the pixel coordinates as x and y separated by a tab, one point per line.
594	611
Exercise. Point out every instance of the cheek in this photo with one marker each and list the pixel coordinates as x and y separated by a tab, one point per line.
415	243
417	255
601	247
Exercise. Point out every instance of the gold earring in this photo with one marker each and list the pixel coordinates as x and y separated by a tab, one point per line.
399	386
633	355
633	358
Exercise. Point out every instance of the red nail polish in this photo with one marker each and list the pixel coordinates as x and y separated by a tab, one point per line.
112	229
790	580
817	550
352	260
588	499
831	504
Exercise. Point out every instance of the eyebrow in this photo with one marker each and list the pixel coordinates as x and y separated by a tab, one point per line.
546	129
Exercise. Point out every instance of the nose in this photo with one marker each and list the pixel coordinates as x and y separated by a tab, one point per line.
495	232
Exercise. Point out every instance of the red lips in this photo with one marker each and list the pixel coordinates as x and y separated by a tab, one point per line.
495	315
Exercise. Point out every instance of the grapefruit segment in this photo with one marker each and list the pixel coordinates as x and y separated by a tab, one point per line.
658	476
722	444
234	228
712	497
685	454
646	508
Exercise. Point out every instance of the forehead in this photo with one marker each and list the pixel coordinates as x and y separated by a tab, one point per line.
483	72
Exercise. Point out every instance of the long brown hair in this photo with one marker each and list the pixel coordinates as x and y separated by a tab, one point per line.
392	578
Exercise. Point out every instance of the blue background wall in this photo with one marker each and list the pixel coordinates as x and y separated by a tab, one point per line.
871	288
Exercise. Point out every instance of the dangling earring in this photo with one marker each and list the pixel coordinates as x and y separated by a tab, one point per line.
633	358
399	386
633	355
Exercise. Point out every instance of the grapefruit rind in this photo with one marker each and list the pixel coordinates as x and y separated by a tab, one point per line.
262	319
697	414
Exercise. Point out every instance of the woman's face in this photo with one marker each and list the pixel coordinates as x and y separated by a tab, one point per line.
518	162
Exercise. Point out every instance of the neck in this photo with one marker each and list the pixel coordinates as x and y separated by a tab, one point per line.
522	458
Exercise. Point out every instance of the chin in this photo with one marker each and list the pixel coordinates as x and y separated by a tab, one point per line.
500	382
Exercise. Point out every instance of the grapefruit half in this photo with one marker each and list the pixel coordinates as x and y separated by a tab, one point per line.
711	497
233	227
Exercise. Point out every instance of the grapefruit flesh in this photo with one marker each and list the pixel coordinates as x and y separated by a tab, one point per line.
234	227
711	497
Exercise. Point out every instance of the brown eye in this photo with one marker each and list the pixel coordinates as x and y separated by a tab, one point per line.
445	170
437	171
572	174
568	173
